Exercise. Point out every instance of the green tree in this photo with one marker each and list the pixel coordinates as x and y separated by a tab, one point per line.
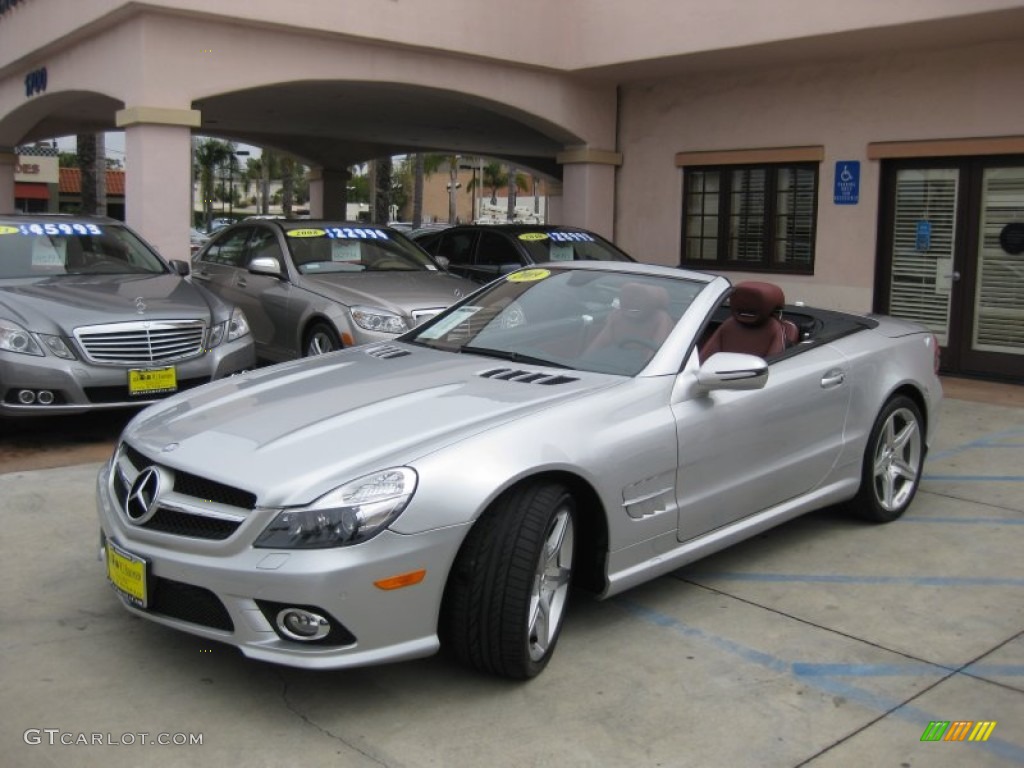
210	154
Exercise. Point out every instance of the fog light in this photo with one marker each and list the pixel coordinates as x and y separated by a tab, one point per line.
300	624
45	397
26	397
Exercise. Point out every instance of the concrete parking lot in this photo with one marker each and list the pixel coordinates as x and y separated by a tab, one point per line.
826	642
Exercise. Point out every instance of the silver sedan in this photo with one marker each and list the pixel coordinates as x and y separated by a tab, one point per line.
310	287
91	317
589	424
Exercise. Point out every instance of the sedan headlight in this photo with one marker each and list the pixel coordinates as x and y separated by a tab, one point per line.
374	319
235	328
14	338
350	514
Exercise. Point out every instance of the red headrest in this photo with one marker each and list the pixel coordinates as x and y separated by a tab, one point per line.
752	303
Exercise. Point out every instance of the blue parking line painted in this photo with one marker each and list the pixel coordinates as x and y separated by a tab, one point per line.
995	439
804	669
823	682
975	478
965	520
832	578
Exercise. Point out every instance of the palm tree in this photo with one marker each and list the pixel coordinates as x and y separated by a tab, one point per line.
210	154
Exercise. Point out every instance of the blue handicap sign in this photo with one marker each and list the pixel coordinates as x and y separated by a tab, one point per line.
847	190
923	236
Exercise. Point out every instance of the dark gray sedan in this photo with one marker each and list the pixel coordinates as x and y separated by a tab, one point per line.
92	317
310	287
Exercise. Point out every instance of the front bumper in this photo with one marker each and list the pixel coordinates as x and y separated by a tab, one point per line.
77	385
228	581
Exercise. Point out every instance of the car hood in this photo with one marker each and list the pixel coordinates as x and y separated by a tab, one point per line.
395	290
294	431
68	302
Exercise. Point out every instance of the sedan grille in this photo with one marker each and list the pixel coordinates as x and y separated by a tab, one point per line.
142	343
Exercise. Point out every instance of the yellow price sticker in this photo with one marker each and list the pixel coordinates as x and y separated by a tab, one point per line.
529	275
306	233
9	230
530	236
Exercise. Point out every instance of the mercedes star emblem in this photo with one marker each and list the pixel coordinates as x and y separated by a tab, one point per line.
144	497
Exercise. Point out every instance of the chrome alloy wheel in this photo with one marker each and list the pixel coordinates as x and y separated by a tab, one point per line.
550	591
897	460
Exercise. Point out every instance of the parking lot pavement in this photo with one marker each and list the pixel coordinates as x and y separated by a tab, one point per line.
826	642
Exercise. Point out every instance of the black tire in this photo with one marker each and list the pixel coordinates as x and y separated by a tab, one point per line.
320	339
506	597
893	461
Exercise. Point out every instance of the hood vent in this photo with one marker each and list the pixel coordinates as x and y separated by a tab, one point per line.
526	377
387	352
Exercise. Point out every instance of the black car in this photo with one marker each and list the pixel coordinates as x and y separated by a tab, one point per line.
482	252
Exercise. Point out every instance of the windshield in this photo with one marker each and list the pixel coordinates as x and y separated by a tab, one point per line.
323	249
588	320
64	248
569	245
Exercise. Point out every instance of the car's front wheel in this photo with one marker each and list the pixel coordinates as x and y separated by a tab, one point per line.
893	462
320	339
507	595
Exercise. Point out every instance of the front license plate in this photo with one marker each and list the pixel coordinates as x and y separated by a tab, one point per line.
152	381
127	573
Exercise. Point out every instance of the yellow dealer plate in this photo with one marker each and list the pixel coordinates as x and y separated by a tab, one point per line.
127	574
152	381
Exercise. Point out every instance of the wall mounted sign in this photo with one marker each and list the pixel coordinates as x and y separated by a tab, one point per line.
847	188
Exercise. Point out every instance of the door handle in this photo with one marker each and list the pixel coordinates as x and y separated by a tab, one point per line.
833	378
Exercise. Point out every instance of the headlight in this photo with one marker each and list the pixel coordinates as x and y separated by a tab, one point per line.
350	514
57	346
14	338
373	319
235	328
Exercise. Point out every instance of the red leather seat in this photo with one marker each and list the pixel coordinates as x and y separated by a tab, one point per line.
755	327
642	315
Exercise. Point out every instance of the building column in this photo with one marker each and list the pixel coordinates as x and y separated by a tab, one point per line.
158	175
328	193
8	159
588	189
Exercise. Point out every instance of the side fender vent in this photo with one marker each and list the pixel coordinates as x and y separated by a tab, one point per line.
526	377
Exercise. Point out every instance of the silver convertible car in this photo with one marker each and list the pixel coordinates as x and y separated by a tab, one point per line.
592	424
92	317
310	287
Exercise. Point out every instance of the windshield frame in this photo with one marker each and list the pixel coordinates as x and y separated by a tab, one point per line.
552	315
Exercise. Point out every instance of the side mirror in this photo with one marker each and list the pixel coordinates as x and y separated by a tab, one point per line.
730	370
180	267
442	262
265	265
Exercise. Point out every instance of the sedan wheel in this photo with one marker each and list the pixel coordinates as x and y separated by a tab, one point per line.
320	339
892	463
506	598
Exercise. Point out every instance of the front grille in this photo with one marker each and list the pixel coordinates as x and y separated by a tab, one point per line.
187	602
190	490
422	315
142	343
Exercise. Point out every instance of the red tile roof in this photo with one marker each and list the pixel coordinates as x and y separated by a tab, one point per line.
71	182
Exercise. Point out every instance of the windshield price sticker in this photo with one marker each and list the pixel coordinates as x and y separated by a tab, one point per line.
529	275
560	252
571	237
33	230
305	233
356	233
531	236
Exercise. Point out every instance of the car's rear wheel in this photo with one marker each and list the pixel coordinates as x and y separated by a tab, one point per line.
506	599
320	339
892	462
